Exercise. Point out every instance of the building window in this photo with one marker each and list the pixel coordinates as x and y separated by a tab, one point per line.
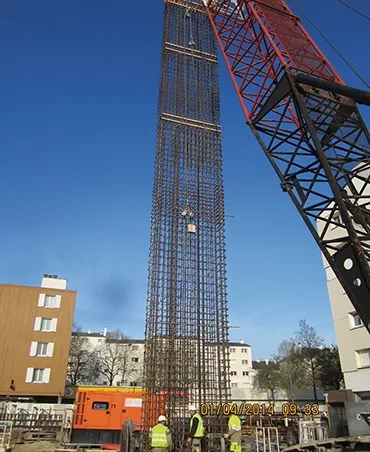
135	347
135	360
244	350
363	358
38	375
101	406
234	385
245	373
233	373
232	350
45	324
134	383
336	220
49	301
354	320
42	349
244	361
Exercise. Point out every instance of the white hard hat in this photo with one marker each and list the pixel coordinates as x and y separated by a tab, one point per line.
192	408
162	418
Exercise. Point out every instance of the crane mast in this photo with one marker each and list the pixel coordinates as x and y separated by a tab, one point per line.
309	126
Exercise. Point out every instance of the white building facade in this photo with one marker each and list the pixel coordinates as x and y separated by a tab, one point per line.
352	337
129	350
241	372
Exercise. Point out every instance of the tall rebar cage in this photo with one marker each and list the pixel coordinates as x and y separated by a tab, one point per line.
186	358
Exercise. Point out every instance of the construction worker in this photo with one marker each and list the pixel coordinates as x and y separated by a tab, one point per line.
234	434
196	432
160	436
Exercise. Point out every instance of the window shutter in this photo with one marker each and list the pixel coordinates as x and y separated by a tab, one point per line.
41	300
33	349
46	376
50	349
53	324
29	375
37	324
58	299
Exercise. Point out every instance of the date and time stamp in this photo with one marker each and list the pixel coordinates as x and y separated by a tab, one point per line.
258	409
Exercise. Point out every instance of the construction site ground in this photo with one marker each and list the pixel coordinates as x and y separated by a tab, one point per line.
44	446
37	446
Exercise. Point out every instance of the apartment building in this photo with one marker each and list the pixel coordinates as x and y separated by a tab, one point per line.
240	363
130	352
352	337
241	372
35	333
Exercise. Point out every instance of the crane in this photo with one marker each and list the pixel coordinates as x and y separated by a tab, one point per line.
307	122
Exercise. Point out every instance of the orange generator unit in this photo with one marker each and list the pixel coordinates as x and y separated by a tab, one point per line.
100	413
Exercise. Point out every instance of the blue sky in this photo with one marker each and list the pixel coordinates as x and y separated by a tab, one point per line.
78	104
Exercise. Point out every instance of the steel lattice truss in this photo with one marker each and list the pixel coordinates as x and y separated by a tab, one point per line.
186	353
313	136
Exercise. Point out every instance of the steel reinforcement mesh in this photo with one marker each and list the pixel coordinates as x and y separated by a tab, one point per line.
186	353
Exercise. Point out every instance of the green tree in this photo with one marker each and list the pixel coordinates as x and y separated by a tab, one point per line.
329	373
291	368
267	379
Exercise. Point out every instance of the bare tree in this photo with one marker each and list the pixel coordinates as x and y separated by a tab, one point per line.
116	358
267	379
83	360
310	345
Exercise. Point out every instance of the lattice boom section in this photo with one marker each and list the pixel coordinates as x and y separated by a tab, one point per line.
186	355
260	41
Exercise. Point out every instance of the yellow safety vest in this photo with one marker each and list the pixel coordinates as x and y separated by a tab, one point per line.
234	423
159	436
199	433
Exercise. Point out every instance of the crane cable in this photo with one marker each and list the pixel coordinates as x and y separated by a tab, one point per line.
354	9
332	46
345	61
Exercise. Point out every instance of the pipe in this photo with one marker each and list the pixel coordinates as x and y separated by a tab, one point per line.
358	95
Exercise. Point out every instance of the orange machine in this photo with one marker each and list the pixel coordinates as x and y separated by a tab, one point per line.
107	408
100	412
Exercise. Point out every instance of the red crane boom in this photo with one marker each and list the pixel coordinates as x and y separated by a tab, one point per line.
308	124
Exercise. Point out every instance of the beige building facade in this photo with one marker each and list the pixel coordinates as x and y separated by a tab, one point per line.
353	340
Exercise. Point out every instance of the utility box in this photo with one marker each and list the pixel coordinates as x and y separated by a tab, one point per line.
192	228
